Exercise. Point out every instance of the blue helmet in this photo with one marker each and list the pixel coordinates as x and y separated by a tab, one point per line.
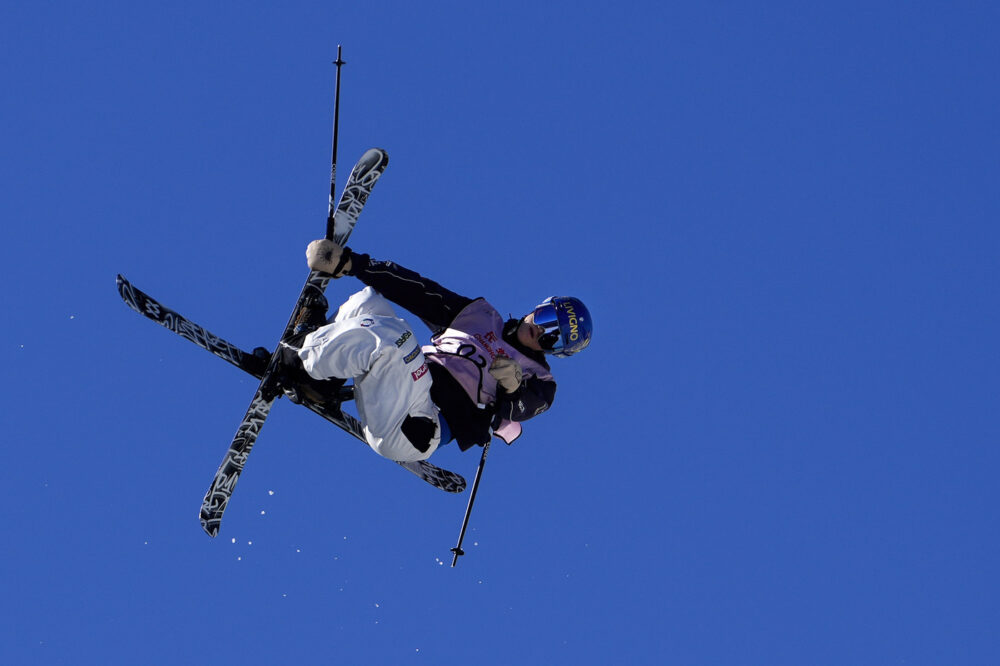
567	325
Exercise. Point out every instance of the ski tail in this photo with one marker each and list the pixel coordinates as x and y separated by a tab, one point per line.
436	476
221	490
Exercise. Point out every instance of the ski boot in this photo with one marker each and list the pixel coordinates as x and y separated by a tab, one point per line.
291	378
256	362
311	314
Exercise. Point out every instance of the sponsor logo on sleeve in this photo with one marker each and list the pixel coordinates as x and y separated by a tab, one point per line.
419	372
367	322
403	338
412	355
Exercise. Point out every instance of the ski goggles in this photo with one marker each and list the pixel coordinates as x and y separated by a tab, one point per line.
546	316
565	323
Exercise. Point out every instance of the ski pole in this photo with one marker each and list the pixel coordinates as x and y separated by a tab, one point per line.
332	210
468	510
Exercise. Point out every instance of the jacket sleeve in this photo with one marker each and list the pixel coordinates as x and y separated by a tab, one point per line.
531	399
434	304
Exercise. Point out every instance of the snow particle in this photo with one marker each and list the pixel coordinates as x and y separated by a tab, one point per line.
234	539
270	492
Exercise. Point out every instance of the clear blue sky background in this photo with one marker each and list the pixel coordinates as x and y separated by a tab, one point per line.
781	447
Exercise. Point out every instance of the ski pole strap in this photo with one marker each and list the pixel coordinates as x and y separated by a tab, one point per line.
345	256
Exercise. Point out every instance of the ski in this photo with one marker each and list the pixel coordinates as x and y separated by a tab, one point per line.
148	307
359	185
256	365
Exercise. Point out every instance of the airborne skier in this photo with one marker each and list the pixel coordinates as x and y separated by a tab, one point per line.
480	375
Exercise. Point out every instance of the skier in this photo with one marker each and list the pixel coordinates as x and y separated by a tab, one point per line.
480	375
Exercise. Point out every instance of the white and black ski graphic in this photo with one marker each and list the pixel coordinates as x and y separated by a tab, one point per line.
152	309
182	326
359	185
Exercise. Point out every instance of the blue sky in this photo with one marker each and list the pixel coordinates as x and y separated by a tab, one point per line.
779	449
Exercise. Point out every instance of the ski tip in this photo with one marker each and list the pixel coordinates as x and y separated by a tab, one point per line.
210	521
377	156
124	287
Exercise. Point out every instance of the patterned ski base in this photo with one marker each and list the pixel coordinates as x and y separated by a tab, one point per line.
362	179
152	309
217	497
450	482
214	504
359	186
